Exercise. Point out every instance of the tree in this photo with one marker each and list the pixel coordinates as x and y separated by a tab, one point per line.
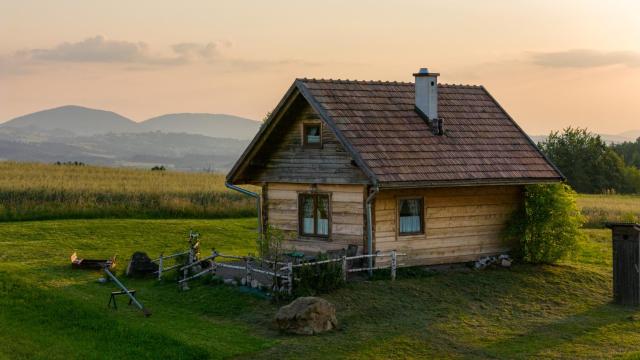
629	151
585	159
547	227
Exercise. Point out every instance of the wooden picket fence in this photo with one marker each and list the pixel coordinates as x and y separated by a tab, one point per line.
192	257
285	270
393	264
161	263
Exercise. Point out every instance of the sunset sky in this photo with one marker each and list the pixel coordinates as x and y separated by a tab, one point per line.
551	64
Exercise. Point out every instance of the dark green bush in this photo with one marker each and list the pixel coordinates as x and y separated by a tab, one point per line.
318	279
547	227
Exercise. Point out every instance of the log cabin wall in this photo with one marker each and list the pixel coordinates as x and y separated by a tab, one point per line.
286	160
460	223
346	222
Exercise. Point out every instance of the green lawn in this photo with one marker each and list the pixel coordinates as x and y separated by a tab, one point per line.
49	311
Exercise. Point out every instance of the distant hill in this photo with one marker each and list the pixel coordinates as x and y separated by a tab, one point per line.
75	119
633	134
630	135
214	125
179	141
174	151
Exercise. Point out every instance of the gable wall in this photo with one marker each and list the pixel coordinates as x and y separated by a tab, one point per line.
285	160
461	223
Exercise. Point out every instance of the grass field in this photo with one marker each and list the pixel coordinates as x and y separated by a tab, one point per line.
598	209
44	191
49	311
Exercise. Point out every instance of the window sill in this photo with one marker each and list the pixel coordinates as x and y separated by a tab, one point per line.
404	237
311	238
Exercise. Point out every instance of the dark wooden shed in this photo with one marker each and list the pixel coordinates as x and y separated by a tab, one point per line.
626	263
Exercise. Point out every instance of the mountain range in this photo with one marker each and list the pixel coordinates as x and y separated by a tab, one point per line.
187	141
73	133
78	120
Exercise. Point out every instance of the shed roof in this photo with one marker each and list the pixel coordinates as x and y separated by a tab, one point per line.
378	123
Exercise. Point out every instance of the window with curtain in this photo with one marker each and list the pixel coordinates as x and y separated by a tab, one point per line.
314	214
410	216
312	136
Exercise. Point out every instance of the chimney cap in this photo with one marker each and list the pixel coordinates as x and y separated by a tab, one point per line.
424	72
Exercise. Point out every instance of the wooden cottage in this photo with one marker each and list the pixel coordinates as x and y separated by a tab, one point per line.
430	169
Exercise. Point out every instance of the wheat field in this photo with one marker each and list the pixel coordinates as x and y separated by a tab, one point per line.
30	191
599	209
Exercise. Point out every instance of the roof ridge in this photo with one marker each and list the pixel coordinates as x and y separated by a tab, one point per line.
380	82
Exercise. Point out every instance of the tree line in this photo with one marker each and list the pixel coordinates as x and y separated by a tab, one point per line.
593	166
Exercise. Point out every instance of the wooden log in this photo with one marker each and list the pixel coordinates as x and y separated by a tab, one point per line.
171	256
203	272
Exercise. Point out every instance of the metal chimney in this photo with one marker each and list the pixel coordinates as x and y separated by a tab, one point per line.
426	93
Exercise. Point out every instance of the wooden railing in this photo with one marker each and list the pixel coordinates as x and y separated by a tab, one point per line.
393	265
160	261
286	272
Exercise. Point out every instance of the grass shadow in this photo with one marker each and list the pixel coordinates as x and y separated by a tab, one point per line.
549	337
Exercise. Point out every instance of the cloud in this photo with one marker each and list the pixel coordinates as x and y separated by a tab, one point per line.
98	49
95	49
136	56
264	64
585	58
193	50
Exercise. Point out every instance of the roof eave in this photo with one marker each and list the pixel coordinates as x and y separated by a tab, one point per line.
462	183
563	178
266	127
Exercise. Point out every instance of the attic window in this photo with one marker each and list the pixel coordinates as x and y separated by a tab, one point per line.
312	136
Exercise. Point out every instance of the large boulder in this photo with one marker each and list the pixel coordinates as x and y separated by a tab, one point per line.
141	265
306	316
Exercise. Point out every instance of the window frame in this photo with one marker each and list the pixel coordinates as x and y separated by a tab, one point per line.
422	213
305	143
315	234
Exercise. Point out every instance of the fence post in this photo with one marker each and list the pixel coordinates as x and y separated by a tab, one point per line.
212	262
394	264
247	271
160	266
289	278
344	268
185	273
370	263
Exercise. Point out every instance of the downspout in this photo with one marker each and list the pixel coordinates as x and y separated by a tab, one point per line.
370	199
258	208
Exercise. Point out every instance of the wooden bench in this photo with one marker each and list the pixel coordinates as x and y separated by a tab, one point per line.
112	299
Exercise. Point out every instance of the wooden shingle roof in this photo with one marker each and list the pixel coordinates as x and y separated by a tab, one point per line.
393	145
481	144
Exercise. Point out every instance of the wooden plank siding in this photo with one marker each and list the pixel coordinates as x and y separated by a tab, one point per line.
286	160
347	215
460	223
